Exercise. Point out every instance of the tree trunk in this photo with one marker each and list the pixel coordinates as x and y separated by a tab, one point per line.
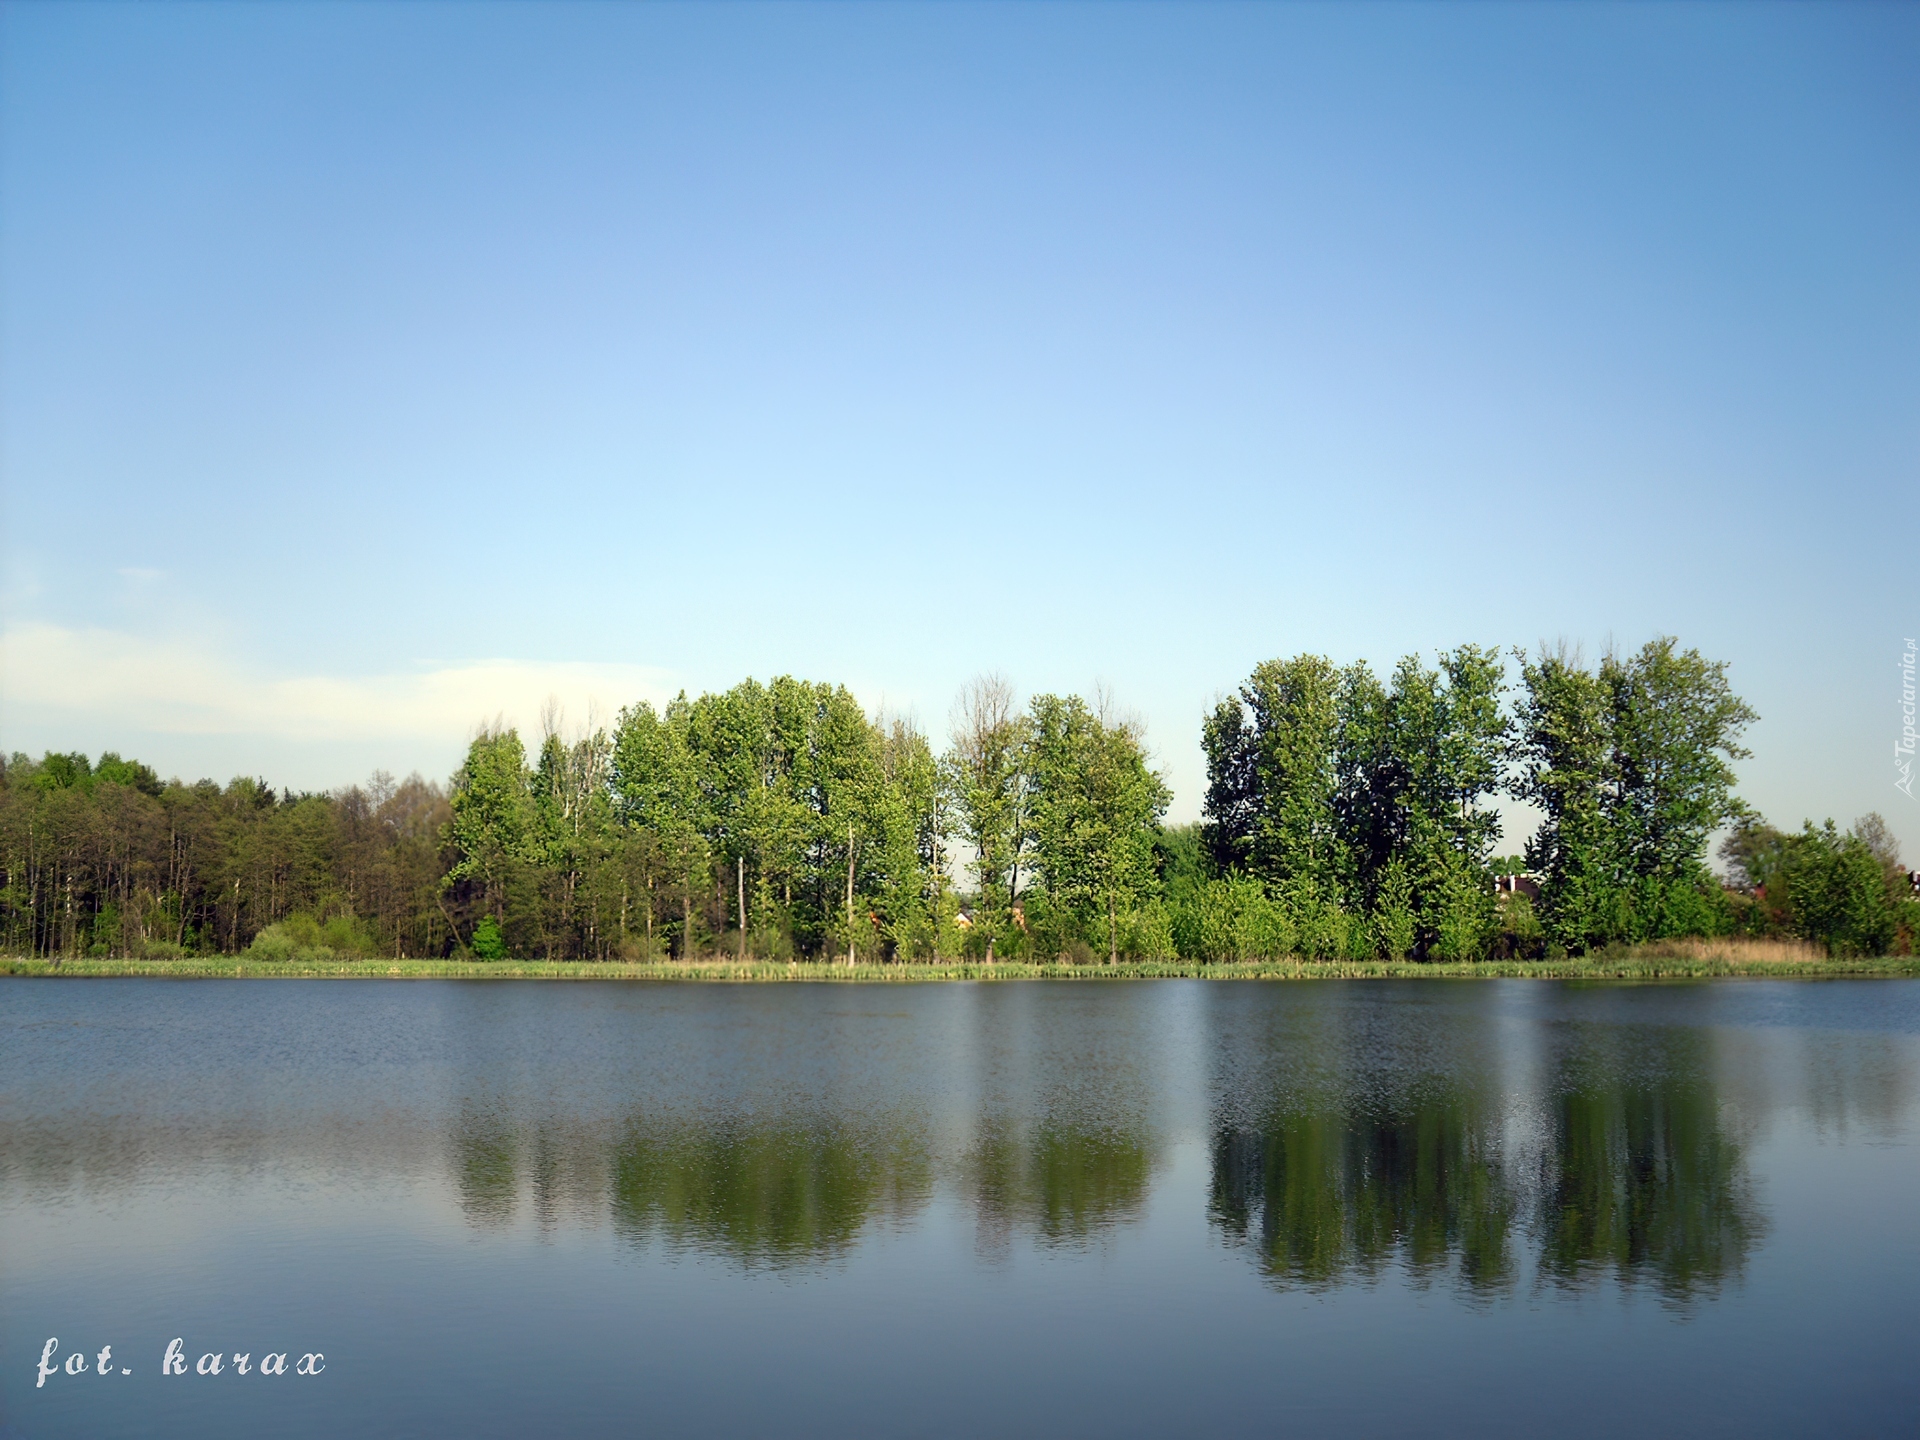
1113	932
740	886
849	894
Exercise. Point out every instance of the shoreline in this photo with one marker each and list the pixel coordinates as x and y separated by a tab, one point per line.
1635	966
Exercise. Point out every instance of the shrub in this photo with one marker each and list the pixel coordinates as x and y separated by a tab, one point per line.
1521	935
1394	924
1837	893
488	942
301	937
1230	919
1466	920
1147	933
274	943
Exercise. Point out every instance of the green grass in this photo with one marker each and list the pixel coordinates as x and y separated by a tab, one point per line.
1642	963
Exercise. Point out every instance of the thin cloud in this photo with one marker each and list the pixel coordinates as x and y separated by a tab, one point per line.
178	687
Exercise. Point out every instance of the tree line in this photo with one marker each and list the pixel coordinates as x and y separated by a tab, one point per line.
1346	816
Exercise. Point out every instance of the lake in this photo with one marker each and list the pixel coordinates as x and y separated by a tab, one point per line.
1077	1208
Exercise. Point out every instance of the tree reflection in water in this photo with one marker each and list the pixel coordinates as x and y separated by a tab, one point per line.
1328	1197
484	1170
1351	1134
1621	1166
1063	1182
790	1190
1646	1182
774	1191
783	1191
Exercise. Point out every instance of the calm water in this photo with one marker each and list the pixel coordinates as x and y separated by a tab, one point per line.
1332	1208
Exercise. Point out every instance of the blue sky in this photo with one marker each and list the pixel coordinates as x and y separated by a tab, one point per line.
367	371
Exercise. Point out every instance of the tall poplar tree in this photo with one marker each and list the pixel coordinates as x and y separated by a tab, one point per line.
1096	807
657	788
987	770
1632	764
493	816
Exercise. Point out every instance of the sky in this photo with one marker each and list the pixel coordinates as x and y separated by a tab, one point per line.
371	371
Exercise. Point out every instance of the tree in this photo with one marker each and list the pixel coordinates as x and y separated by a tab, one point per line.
1362	808
657	789
987	771
1633	766
730	737
1564	748
1837	892
918	904
1446	750
848	790
1344	817
493	815
792	783
573	811
1095	808
1872	831
1675	725
1273	767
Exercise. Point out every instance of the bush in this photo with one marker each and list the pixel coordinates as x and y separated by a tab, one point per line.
1837	893
1466	919
1147	933
488	942
1229	919
312	942
1317	926
1521	936
273	944
1394	924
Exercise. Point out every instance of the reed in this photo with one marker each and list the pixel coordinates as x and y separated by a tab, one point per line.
1663	960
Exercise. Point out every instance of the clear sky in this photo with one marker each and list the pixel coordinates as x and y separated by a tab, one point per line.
366	371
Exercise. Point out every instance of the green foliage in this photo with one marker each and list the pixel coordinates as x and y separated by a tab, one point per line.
303	938
1837	892
1632	765
784	817
341	933
1521	936
104	859
1363	808
1180	857
1347	818
987	774
275	945
64	772
493	814
1231	918
1273	775
1394	921
112	770
1095	807
488	942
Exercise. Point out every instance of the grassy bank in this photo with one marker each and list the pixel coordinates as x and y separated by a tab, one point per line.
1694	959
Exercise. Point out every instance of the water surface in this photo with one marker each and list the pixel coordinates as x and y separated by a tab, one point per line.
1138	1208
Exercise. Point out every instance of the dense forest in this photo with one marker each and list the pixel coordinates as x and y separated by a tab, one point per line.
1346	816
